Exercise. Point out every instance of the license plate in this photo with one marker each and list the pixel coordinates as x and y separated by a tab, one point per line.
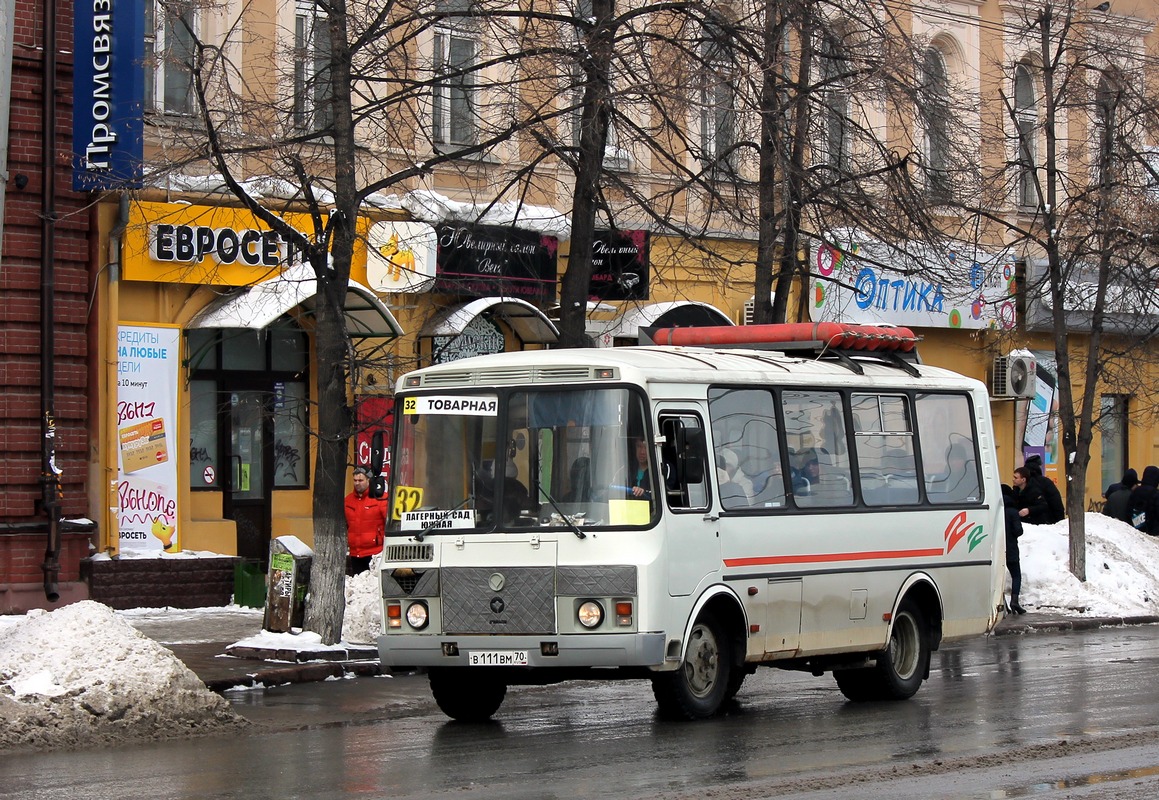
497	658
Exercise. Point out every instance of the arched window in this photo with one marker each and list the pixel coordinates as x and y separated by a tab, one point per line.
835	115
934	114
1026	121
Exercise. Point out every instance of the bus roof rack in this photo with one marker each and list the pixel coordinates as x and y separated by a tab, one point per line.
838	341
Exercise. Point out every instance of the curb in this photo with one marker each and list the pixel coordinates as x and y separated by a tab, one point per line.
1008	628
299	673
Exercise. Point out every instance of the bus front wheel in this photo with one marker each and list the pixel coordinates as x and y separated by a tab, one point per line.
900	668
467	697
700	686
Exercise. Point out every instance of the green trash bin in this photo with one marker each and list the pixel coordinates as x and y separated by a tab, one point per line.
249	583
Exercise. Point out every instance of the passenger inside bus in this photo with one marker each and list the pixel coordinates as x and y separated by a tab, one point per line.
640	483
807	478
961	478
736	488
769	486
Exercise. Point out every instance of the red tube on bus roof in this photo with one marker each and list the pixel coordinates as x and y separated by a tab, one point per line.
839	335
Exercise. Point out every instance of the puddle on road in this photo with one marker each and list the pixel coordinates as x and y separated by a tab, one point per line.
1071	783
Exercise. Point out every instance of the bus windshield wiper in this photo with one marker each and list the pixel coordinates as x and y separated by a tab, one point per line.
419	536
567	520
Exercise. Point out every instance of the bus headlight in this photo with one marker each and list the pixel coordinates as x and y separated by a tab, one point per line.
416	616
590	614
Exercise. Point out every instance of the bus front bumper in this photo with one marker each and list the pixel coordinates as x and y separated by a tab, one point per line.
594	650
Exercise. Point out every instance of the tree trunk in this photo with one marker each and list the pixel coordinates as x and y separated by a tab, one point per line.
594	119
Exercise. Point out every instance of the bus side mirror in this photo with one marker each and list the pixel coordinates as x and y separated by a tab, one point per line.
692	468
377	453
377	459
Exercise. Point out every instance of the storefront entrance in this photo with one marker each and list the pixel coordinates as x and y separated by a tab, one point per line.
248	405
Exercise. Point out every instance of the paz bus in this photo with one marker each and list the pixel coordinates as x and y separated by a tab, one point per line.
807	497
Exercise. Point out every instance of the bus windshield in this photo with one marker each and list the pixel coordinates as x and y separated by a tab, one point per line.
559	458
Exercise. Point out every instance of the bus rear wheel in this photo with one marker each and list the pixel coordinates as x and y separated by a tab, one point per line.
900	668
467	696
700	686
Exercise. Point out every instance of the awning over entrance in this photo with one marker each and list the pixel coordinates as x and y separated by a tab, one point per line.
529	323
256	306
674	314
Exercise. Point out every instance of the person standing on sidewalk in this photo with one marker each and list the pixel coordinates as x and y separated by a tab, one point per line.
1118	496
365	523
1013	559
1145	502
1055	511
1028	498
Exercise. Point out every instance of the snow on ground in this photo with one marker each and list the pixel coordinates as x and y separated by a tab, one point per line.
82	675
1122	570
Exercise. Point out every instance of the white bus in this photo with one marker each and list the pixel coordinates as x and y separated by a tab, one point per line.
686	514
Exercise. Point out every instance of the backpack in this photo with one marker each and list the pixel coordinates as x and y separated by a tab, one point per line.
1139	519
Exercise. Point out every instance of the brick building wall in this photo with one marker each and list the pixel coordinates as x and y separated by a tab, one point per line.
21	518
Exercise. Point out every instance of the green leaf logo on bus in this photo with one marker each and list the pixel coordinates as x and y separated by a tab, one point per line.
960	528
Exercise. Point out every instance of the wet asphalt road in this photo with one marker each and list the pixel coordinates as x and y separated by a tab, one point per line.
1046	715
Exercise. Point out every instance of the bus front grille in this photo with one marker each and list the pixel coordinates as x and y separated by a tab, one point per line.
499	600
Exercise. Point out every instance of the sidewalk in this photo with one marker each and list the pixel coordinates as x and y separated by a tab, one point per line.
203	640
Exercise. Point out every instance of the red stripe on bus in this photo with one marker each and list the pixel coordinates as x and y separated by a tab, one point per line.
826	557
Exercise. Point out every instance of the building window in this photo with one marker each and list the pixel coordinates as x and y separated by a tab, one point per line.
934	114
1104	130
717	98
170	49
1113	437
615	157
312	89
1026	120
456	56
835	115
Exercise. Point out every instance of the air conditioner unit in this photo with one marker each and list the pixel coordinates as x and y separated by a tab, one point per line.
1013	375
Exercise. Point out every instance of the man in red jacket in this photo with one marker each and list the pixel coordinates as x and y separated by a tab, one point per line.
365	523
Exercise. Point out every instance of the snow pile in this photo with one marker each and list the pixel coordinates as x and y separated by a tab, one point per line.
362	622
1122	570
80	676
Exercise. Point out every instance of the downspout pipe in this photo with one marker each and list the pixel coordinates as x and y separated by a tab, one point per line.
50	473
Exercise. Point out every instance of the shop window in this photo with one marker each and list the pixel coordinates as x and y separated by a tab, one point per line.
242	350
288	349
204	463
291	445
1113	438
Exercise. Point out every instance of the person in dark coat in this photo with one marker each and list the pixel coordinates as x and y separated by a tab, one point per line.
1118	505
1055	511
1145	502
1028	499
1013	561
1129	480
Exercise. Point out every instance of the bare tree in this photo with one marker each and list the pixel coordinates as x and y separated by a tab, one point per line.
1076	194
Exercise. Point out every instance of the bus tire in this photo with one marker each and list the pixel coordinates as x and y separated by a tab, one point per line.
900	668
467	697
698	689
